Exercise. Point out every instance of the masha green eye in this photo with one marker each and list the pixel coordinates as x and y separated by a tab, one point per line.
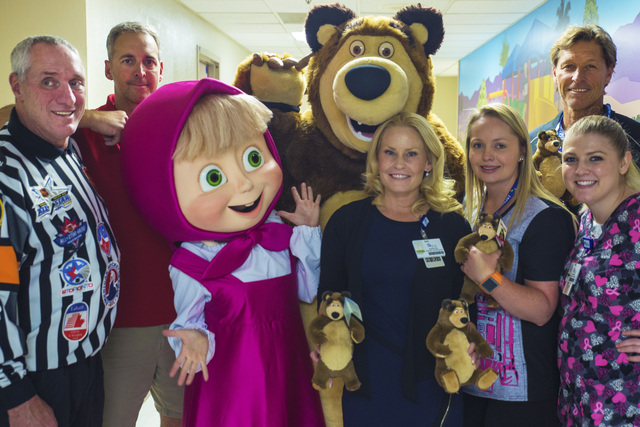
252	159
211	178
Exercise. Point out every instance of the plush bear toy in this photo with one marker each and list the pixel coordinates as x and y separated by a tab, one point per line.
362	72
547	160
449	342
488	239
335	337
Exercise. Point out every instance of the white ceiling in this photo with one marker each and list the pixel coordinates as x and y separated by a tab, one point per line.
266	25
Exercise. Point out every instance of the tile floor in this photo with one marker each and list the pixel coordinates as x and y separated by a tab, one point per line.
148	416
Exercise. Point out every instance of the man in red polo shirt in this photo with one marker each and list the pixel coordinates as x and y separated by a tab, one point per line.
137	357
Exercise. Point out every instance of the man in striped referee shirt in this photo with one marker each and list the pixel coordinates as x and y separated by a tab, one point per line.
59	262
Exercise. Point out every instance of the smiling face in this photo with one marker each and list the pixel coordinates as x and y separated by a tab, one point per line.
230	192
581	75
594	172
494	153
135	69
402	162
50	100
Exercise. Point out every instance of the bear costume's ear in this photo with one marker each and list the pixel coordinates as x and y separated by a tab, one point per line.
322	21
426	26
445	303
326	295
542	135
346	294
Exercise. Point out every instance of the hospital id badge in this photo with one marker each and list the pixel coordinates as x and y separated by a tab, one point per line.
572	278
433	262
428	248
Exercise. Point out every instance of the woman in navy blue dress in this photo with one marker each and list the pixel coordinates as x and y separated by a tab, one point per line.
368	249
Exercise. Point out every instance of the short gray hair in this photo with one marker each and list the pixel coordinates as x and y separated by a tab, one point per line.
130	27
20	58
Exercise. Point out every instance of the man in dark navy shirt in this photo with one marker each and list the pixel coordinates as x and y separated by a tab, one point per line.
583	59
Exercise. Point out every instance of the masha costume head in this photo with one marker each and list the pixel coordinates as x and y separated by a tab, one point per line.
199	162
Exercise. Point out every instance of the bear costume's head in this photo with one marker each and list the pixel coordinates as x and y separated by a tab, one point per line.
549	142
366	70
454	314
362	71
332	304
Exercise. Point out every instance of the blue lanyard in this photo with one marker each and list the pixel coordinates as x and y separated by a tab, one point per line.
559	128
506	199
588	241
424	221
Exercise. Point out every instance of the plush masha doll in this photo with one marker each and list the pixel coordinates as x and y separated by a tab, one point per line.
203	170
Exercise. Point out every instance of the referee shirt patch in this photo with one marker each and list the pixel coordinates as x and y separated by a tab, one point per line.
76	274
111	285
75	324
49	199
71	234
103	236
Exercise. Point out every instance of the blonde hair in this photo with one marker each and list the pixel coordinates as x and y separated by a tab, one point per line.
613	132
528	182
219	122
436	191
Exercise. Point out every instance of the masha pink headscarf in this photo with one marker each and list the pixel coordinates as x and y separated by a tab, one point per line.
148	142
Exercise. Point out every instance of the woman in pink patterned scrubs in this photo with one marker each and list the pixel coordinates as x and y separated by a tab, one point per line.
599	369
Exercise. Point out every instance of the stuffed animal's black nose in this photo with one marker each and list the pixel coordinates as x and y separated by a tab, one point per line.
556	143
367	81
464	320
335	315
484	237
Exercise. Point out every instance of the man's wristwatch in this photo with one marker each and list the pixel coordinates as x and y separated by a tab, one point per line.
490	284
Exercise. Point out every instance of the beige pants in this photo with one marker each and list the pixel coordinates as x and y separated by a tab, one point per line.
136	361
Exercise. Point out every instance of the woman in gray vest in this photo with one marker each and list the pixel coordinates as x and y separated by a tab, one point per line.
522	331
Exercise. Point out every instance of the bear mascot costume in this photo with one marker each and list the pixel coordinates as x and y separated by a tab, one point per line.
362	71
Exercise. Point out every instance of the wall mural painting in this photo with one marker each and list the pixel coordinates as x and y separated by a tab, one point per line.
514	67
